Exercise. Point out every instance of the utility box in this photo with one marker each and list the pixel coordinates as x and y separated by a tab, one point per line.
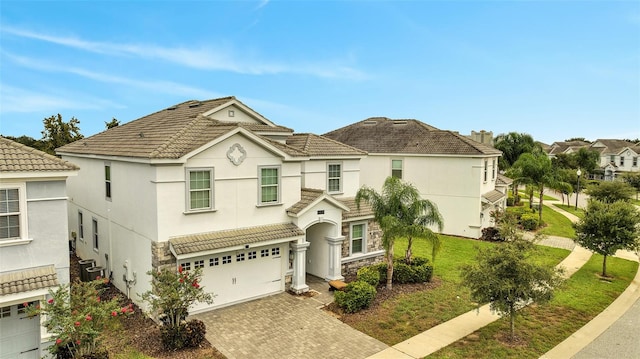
84	264
94	272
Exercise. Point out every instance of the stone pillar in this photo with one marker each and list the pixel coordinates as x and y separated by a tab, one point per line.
298	282
335	256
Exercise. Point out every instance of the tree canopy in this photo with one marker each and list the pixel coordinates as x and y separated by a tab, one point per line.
58	133
610	191
608	227
113	123
512	145
633	180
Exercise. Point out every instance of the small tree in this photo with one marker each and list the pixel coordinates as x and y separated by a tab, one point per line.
633	180
172	293
58	133
610	191
608	227
113	123
505	276
77	316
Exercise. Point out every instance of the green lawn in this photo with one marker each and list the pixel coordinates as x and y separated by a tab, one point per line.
556	224
571	209
406	315
540	328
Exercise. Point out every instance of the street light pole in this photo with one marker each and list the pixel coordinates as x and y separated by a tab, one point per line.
578	188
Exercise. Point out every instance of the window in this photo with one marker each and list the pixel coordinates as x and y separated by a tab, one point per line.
200	189
107	181
198	264
621	160
635	162
396	168
493	171
5	312
213	262
264	253
186	266
486	164
96	239
269	185
226	259
9	213
22	309
80	226
357	238
275	251
239	257
251	255
334	177
613	158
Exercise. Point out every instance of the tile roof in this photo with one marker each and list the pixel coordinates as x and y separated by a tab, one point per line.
308	196
561	146
383	135
493	196
364	211
28	280
222	239
170	133
612	146
503	180
16	157
316	145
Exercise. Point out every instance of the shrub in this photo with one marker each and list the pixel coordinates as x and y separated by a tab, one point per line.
369	274
357	295
402	273
419	271
194	333
529	221
184	335
491	234
510	201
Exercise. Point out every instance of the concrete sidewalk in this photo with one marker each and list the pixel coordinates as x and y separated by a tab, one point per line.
457	328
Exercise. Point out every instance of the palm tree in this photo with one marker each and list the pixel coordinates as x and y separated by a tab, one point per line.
401	213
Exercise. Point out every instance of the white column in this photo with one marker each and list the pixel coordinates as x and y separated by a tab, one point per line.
335	257
298	282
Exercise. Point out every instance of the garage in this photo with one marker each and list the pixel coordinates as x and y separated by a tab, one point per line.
240	275
19	335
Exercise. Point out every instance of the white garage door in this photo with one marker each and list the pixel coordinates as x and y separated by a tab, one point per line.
241	275
19	335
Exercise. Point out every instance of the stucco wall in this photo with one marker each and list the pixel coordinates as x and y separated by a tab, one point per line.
314	175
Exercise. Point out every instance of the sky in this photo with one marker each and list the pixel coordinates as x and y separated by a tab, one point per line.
552	69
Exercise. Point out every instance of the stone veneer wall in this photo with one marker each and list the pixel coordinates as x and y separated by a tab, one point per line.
374	243
161	256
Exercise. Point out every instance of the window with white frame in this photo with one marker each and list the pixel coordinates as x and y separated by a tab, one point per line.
96	238
269	185
80	226
621	160
200	189
634	162
334	177
107	181
486	164
9	213
613	158
493	169
358	238
396	168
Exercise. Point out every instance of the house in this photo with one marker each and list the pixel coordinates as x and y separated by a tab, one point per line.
616	157
456	173
215	185
565	147
34	242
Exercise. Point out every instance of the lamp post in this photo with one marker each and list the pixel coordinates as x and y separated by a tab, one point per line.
578	172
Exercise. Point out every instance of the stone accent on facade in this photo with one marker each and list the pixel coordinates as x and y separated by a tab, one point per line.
352	267
373	243
161	256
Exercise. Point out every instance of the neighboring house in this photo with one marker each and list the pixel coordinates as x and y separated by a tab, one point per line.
456	173
616	156
565	147
34	242
215	185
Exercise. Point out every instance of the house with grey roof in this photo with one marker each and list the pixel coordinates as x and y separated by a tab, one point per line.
34	242
455	172
215	185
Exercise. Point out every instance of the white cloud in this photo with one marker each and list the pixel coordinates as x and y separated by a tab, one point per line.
19	100
203	58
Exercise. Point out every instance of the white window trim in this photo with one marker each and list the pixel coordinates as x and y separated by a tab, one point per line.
22	202
81	232
109	195
493	169
364	238
95	234
279	189
485	172
340	178
187	186
401	167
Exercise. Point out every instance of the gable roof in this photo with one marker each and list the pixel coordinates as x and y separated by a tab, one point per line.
365	210
167	134
309	197
613	146
563	146
16	157
316	145
384	135
503	180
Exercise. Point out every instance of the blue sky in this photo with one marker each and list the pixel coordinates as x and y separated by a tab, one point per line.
553	69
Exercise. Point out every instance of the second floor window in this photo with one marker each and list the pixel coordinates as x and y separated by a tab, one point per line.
96	238
493	169
107	181
334	175
9	213
269	185
80	226
486	164
396	168
634	163
200	189
621	161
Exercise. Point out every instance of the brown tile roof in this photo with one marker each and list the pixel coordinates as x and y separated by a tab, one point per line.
222	239
503	180
316	145
16	157
383	135
561	146
493	196
308	196
170	133
364	211
28	280
613	146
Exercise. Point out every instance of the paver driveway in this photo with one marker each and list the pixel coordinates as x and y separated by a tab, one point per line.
285	326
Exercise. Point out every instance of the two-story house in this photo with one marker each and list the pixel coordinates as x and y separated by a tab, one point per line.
455	172
34	242
616	156
215	185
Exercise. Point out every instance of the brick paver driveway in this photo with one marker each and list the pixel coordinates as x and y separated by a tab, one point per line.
284	326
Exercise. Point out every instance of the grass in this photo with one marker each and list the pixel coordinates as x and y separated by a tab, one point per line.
571	209
540	328
556	224
406	315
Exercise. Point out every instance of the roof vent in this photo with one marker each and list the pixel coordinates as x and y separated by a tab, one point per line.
370	122
141	135
194	104
399	122
172	108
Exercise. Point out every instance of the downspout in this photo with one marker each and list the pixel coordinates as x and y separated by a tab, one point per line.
110	256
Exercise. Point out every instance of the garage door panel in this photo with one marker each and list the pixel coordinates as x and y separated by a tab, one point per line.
19	335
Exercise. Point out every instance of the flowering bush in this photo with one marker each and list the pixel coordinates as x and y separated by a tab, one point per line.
172	293
76	316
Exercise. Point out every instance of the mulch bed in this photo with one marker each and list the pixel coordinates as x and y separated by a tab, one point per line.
141	332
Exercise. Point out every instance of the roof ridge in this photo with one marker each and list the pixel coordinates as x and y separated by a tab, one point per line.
480	147
37	152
